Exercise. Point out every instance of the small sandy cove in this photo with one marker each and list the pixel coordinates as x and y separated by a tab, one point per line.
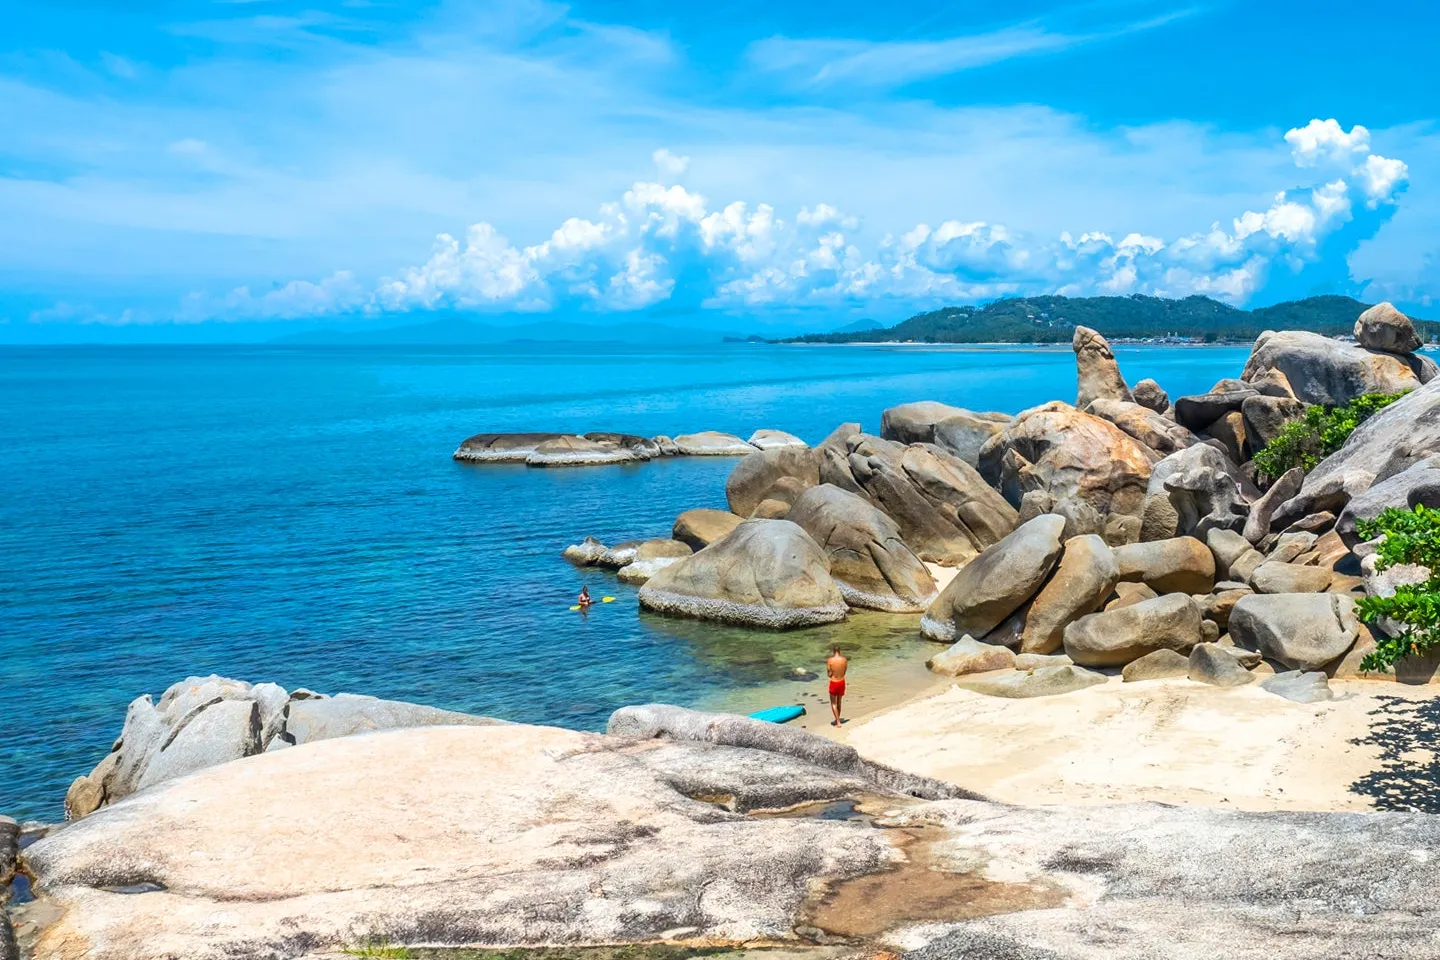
1171	740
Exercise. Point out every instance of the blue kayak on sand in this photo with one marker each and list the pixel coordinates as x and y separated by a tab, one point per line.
779	714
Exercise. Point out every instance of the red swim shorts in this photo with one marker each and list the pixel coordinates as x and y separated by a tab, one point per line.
837	688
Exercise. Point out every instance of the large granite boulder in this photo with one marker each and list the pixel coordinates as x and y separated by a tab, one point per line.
1321	370
1113	638
579	452
1157	665
1085	577
953	429
1160	434
587	553
1177	565
765	573
945	510
915	422
1304	631
869	562
501	447
779	474
1065	453
1049	681
1277	576
991	587
1213	664
1382	327
651	557
774	440
1204	489
701	527
1097	372
710	443
1198	412
204	721
1390	442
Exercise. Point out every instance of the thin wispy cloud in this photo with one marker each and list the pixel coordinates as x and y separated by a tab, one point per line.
819	63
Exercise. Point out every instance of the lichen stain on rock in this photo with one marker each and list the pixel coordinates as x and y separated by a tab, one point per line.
916	890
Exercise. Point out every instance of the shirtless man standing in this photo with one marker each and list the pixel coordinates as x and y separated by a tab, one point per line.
835	669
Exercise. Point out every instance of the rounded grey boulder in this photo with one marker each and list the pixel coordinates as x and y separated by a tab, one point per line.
1382	327
780	474
1113	638
701	527
1304	631
765	573
871	564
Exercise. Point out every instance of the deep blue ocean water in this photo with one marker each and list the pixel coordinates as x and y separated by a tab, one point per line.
293	514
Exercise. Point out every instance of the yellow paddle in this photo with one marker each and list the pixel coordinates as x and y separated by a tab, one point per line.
602	600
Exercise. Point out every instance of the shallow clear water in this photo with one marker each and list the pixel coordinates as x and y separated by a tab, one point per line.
293	514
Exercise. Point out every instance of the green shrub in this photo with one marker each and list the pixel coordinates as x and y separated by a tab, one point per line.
1317	433
1410	536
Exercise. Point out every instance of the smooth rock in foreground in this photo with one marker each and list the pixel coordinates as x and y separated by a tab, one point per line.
1213	664
1085	577
1300	687
1041	682
1178	565
766	573
1156	666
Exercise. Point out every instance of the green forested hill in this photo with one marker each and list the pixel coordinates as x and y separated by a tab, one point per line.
1053	319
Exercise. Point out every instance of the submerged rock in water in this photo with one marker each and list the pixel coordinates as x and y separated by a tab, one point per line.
766	573
710	443
501	447
586	553
578	452
774	440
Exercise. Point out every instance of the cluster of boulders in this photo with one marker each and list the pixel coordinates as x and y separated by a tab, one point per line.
1120	528
599	448
203	721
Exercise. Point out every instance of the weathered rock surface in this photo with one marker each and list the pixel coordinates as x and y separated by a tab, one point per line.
709	443
774	439
1034	661
1321	370
701	527
1218	606
1198	412
1276	576
1096	369
1084	579
1065	453
1389	443
619	555
968	655
1265	417
1213	664
965	433
915	422
872	566
651	557
1382	327
1304	631
205	721
1038	682
1204	488
1418	484
946	511
1262	510
1115	637
1178	565
1229	432
765	573
1127	594
1162	435
1148	393
501	447
780	474
1156	666
996	583
1227	547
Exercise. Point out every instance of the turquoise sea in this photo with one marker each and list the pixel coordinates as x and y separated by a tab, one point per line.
293	514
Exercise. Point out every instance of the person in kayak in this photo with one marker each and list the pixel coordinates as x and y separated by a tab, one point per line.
835	668
584	600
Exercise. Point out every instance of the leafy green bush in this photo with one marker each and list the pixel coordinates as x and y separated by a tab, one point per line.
1410	536
1317	433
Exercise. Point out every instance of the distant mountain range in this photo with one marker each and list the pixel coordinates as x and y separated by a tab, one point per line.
458	331
1054	319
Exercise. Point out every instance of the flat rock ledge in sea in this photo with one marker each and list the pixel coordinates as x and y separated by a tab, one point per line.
601	448
664	831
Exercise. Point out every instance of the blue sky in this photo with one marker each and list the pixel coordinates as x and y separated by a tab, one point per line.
218	167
